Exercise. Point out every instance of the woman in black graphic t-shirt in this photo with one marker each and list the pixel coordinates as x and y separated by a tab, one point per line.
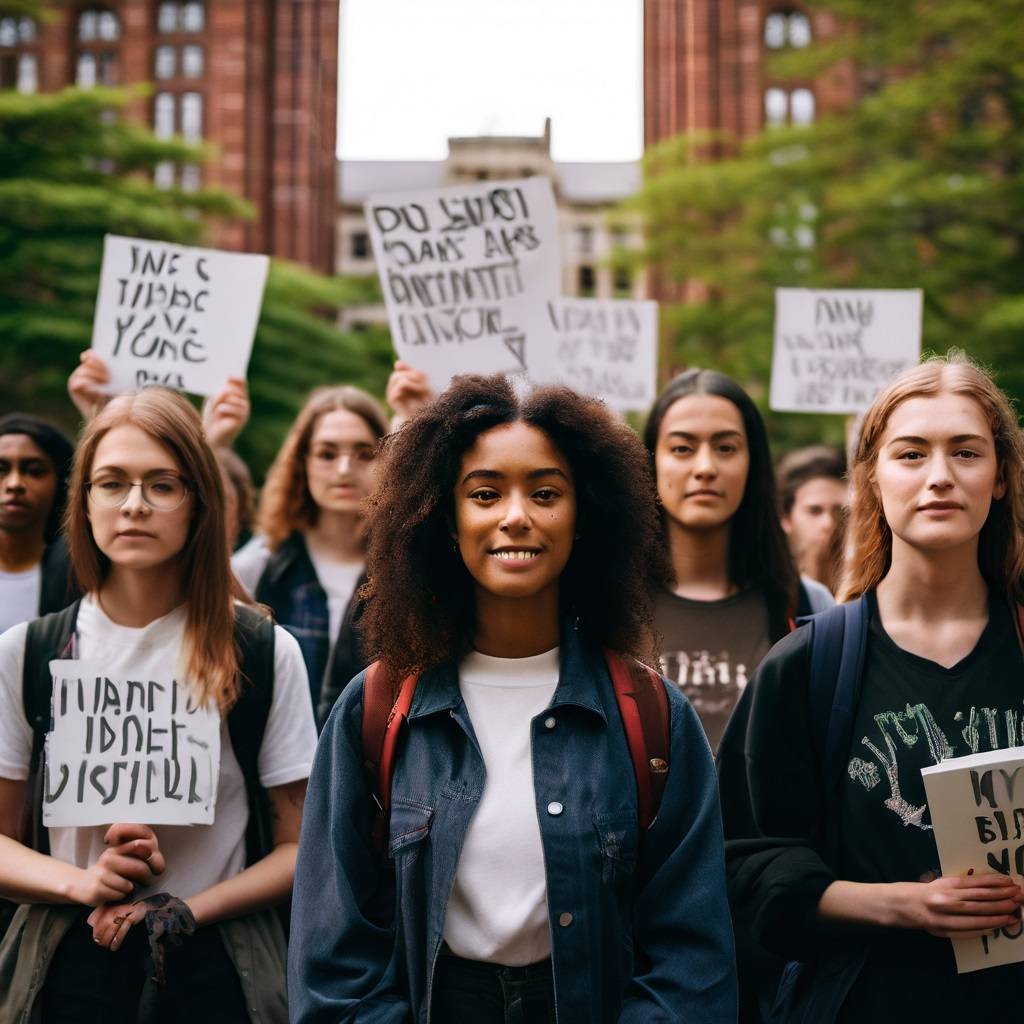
937	532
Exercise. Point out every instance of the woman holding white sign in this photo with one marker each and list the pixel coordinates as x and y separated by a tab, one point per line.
922	664
197	721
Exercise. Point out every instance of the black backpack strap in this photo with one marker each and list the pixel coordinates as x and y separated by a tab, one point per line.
247	720
47	638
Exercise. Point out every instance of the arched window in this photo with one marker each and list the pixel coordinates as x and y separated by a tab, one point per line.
787	28
175	18
19	59
97	33
788	106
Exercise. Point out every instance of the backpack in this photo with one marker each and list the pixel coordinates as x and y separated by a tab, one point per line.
50	637
643	707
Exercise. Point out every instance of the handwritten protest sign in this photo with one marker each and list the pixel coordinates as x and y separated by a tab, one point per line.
607	348
834	350
122	749
466	271
176	315
977	810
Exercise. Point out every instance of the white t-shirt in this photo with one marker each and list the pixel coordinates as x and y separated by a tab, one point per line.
19	596
498	908
198	856
339	581
249	561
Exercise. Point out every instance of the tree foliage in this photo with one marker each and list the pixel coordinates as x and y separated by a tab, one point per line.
73	169
919	184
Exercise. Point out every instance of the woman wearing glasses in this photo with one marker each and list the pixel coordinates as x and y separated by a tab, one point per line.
145	527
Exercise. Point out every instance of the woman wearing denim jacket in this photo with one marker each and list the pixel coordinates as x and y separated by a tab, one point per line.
516	539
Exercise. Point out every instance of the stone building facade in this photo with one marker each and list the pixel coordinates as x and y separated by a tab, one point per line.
255	78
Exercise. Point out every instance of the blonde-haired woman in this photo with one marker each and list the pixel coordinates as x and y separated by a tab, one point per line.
307	562
849	881
145	527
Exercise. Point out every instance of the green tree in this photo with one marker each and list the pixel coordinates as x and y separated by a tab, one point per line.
920	184
71	170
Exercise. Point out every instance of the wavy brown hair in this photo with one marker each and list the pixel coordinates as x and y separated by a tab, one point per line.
421	607
285	503
1001	542
210	657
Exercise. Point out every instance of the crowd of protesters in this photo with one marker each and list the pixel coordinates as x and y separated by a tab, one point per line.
572	762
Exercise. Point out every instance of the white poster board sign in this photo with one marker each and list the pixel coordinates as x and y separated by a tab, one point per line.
176	315
607	348
836	349
123	749
466	271
977	811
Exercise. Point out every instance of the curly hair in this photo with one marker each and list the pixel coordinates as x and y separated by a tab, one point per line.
285	502
1001	542
421	609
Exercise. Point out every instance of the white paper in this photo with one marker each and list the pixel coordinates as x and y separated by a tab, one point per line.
466	271
176	315
128	750
607	348
977	811
836	349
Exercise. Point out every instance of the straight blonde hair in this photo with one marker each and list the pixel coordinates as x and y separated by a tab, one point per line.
210	655
1001	542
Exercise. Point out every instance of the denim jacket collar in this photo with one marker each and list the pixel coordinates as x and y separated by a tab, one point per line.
438	689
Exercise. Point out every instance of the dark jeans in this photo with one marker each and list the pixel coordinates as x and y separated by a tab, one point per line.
87	984
470	992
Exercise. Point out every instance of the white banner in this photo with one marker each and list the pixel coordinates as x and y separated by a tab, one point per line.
836	349
466	271
122	749
607	348
176	315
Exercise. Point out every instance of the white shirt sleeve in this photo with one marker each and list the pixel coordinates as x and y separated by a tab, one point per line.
249	561
286	753
15	731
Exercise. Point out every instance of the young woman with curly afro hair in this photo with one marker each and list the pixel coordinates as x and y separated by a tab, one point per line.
513	540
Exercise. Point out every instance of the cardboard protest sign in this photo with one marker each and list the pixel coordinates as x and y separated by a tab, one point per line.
123	749
835	349
466	271
176	315
977	810
607	348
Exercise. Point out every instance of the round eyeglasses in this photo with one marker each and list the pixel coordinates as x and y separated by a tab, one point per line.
163	493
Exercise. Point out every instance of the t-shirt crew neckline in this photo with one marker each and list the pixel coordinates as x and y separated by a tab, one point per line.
917	662
715	602
510	673
158	631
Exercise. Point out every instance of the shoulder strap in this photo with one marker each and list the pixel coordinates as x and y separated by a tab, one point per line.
383	718
643	707
248	717
48	637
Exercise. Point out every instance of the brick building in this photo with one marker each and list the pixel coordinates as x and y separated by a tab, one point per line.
256	78
706	70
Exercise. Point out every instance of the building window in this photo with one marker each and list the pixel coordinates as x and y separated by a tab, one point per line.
178	17
586	282
163	175
360	245
787	28
96	63
192	116
192	61
190	178
192	17
96	26
782	106
585	240
165	62
18	69
15	31
801	106
28	73
622	282
163	115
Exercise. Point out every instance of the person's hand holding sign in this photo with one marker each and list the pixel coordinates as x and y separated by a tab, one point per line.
226	413
86	383
132	858
408	392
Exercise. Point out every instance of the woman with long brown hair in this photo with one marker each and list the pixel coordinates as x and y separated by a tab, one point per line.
847	876
307	561
148	545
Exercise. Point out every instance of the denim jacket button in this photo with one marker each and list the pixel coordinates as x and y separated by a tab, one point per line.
555	808
550	722
565	920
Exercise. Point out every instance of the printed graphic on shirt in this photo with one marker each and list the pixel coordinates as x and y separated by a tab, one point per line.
891	757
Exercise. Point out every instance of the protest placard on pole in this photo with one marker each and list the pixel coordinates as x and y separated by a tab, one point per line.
607	348
976	805
466	271
835	349
176	315
122	749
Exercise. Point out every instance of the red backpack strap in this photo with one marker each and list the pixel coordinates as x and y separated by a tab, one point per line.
383	718
643	706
